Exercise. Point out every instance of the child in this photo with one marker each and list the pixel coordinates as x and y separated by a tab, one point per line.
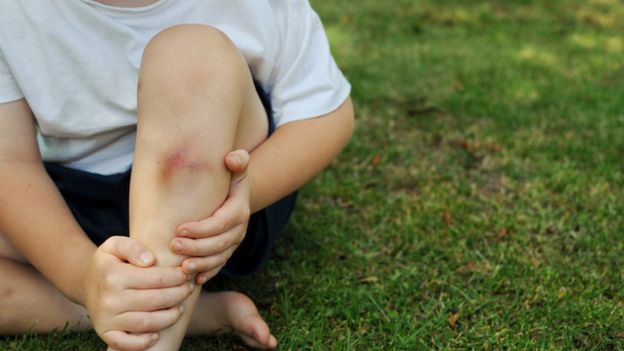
222	108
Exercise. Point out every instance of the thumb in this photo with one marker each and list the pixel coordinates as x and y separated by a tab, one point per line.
237	162
129	250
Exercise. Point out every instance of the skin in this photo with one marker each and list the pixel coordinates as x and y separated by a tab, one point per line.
69	272
206	94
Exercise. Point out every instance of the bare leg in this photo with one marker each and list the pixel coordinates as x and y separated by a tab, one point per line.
30	303
197	102
29	294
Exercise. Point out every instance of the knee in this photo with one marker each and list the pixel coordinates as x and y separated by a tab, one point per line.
189	55
194	43
8	295
7	292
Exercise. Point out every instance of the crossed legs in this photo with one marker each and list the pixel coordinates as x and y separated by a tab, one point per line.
196	103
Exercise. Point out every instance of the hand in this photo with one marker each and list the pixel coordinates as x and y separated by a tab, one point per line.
129	300
211	242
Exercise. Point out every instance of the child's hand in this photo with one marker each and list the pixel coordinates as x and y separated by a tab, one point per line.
128	299
210	243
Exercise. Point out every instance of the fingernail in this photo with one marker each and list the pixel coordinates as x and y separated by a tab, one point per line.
191	266
237	159
203	279
145	257
154	337
184	232
177	245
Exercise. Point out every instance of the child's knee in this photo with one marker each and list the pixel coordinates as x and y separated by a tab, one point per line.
189	37
190	56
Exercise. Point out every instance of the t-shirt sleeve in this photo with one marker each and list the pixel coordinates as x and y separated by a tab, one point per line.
9	90
307	80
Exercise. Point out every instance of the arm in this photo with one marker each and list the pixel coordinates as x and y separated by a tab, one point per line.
295	153
47	235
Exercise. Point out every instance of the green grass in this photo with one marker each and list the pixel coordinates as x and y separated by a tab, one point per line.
479	204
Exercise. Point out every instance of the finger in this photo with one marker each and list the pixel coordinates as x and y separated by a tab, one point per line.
120	340
209	246
211	226
145	322
204	264
205	276
237	161
155	299
152	277
129	250
225	218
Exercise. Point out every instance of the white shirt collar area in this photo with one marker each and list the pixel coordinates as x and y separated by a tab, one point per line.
127	10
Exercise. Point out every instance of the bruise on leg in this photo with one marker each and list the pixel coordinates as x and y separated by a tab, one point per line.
179	161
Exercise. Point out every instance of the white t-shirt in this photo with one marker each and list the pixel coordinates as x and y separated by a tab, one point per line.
76	62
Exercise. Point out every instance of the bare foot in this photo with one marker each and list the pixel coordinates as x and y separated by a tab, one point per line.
223	312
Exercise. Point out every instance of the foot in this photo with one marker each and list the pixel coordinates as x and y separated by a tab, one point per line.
218	313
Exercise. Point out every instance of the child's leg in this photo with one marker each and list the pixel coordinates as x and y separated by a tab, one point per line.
197	102
29	303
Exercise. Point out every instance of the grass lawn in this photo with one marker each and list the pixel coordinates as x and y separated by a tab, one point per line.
479	204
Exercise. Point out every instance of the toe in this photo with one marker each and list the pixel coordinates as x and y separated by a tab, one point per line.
244	318
253	342
261	331
255	332
272	342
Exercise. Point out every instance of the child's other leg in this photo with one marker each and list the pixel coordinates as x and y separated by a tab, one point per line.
197	102
28	302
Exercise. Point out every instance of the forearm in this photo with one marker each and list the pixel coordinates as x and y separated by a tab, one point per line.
295	153
35	218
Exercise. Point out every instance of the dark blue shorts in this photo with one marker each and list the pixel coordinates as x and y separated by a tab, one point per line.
100	205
